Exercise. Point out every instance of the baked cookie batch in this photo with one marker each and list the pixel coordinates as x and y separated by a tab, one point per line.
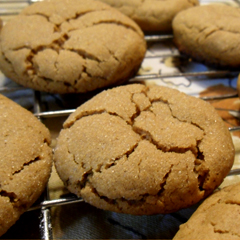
132	149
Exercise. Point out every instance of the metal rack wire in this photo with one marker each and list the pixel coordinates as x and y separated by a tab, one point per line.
45	205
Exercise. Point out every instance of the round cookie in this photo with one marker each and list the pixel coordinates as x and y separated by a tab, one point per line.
209	34
216	218
152	15
70	46
25	163
143	150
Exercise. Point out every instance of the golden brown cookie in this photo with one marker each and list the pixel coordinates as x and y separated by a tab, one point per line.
152	15
70	46
209	34
217	217
143	150
25	162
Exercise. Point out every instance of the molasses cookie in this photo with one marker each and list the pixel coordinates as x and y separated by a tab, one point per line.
217	217
209	34
143	150
70	46
25	163
152	15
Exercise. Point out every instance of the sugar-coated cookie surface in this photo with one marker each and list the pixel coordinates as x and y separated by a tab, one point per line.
143	150
217	217
209	34
25	161
68	46
152	15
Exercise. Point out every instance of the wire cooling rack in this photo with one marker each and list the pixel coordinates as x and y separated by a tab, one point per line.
154	69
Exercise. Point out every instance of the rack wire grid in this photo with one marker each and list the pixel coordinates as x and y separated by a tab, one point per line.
185	76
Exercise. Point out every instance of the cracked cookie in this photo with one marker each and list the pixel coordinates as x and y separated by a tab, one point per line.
216	218
209	34
152	15
143	150
25	162
70	46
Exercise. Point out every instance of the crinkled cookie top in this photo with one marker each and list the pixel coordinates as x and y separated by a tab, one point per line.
217	217
66	46
140	150
152	15
25	161
209	34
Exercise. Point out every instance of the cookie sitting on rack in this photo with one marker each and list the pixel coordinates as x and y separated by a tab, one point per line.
25	163
143	150
70	46
152	15
217	217
209	34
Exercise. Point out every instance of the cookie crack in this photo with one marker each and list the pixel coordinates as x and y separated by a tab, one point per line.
221	231
138	110
95	112
135	202
146	135
9	62
200	167
38	158
79	15
231	202
118	23
215	29
10	195
192	2
114	161
38	14
175	117
85	179
116	201
85	55
164	182
204	36
31	71
112	54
